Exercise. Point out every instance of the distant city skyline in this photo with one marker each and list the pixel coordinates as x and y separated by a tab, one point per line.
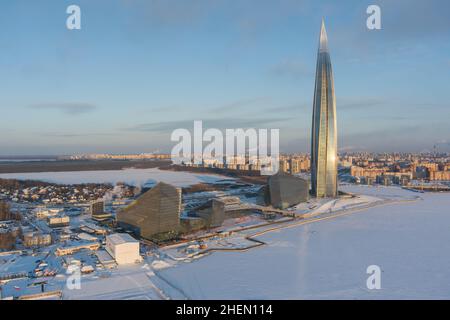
138	70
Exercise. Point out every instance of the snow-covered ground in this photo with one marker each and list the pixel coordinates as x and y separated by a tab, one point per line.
328	258
324	256
130	283
137	177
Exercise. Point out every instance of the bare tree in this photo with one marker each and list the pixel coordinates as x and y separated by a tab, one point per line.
5	213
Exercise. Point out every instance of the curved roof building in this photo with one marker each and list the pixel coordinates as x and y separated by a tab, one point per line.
324	132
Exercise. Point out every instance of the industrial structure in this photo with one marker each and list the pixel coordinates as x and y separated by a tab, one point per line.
324	158
155	214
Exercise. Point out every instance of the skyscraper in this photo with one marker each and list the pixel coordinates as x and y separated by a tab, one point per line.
324	131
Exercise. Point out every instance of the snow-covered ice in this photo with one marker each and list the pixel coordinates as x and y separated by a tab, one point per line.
137	177
328	259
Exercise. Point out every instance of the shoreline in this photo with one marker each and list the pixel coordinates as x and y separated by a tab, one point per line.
78	165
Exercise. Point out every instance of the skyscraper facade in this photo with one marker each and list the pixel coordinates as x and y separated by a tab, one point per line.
324	132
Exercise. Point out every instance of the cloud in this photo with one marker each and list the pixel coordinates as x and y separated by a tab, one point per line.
351	148
290	108
208	123
170	108
74	135
362	102
65	107
291	68
240	104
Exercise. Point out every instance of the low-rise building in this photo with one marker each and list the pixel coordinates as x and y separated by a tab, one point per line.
440	176
93	229
71	249
36	239
123	248
58	221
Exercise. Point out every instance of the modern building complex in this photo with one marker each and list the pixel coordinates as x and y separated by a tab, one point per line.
123	248
212	212
155	213
286	191
324	128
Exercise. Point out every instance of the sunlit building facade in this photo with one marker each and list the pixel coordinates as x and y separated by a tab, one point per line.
155	214
324	132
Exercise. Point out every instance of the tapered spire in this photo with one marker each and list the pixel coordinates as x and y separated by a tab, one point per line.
323	42
324	158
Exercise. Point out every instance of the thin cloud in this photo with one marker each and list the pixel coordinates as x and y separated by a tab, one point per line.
65	107
75	135
290	108
352	103
239	104
208	123
290	68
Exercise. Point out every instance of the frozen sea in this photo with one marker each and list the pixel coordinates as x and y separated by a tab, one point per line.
328	259
137	177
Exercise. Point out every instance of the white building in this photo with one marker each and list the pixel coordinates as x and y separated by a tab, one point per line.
123	248
58	221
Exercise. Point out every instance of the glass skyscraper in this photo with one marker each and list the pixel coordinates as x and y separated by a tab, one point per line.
324	132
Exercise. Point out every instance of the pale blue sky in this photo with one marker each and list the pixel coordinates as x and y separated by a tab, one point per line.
140	68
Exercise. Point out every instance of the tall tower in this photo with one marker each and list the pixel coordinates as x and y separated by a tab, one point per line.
324	131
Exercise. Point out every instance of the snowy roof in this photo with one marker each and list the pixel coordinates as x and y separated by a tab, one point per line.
120	238
104	256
